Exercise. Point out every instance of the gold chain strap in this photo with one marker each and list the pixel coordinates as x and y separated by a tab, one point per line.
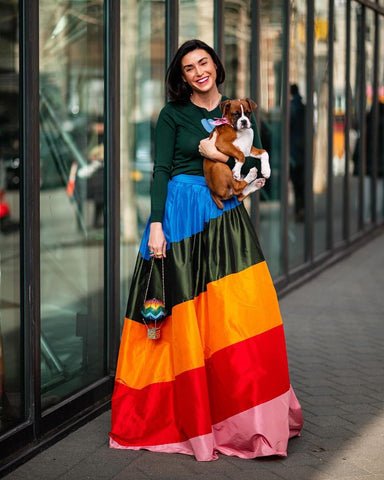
154	332
162	279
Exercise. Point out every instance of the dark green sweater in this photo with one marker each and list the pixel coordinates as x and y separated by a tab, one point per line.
179	131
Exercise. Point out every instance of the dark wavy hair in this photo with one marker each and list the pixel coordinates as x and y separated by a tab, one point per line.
178	90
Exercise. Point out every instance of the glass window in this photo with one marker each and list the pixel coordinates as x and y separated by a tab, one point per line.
71	196
380	180
339	104
237	61
196	20
369	78
271	44
11	376
354	134
320	150
142	97
237	48
298	122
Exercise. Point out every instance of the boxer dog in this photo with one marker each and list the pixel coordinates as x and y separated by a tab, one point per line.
235	138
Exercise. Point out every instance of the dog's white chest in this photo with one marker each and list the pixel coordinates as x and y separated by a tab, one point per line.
244	141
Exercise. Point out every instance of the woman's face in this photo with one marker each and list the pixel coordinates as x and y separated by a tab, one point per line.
199	71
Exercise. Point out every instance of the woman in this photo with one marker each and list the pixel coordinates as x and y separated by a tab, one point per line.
217	379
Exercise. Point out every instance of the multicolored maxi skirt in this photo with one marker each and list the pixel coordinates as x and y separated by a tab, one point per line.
217	379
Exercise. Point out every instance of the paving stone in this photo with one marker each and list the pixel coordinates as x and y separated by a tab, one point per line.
305	473
127	473
329	420
340	467
159	465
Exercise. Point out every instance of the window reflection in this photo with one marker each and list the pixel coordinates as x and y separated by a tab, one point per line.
142	97
237	48
320	157
355	131
380	168
71	198
297	76
339	111
196	20
369	115
271	35
237	55
11	393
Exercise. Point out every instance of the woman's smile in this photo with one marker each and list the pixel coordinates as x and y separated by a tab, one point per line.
203	80
199	70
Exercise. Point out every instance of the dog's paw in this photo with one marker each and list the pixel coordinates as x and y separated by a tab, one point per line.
253	186
266	171
252	174
236	171
260	182
265	167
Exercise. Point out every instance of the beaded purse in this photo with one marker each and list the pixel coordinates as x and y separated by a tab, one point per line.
153	310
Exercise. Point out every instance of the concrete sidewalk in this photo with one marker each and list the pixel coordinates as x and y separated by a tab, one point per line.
334	327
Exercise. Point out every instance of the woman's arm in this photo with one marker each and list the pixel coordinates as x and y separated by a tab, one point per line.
156	242
165	135
164	146
207	149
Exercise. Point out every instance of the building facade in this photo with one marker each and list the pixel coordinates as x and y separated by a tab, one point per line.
82	84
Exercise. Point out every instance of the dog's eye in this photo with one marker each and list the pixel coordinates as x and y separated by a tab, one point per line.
248	113
236	114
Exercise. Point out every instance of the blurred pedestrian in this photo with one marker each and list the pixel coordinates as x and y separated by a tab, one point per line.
297	129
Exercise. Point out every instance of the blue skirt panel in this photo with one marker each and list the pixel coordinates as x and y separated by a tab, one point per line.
188	208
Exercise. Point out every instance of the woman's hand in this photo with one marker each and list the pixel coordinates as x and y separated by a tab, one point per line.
207	149
157	243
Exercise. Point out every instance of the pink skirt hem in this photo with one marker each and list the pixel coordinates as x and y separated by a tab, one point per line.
263	430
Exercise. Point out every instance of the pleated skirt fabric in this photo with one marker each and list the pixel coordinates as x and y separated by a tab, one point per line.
217	379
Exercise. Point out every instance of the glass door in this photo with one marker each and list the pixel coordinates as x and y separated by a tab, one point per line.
71	196
11	361
142	96
270	105
321	107
339	112
298	122
357	69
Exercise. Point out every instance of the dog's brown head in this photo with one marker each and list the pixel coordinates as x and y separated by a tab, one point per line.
238	112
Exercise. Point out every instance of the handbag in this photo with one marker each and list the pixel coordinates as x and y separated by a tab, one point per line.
153	310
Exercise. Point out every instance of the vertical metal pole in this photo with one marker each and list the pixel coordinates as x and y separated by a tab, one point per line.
348	100
172	29
30	204
361	78
112	179
330	197
219	28
285	107
308	233
255	90
255	54
375	124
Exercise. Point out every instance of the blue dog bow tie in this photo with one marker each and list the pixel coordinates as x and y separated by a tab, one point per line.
208	124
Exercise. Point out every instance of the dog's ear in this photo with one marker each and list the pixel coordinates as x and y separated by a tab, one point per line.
224	106
251	103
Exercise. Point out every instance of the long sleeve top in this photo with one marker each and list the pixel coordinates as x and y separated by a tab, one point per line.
179	130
